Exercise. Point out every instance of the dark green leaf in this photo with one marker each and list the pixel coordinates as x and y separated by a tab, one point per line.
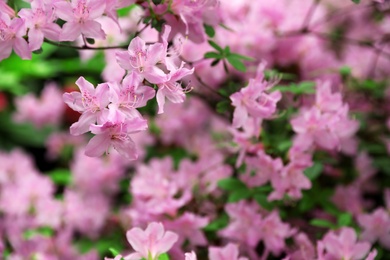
212	55
218	223
322	223
314	171
209	30
215	46
356	1
223	106
90	40
231	184
241	57
262	200
215	62
239	194
236	63
344	219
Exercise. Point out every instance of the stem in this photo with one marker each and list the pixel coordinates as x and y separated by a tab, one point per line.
310	14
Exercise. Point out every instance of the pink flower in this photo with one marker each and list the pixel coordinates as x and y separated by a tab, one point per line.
376	226
172	89
152	242
115	131
48	109
11	37
274	232
344	245
291	180
228	252
260	168
91	102
40	22
244	217
188	227
4	8
80	16
253	101
190	256
130	95
143	60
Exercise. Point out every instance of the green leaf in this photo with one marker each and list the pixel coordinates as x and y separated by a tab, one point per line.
322	223
90	40
344	219
356	1
262	200
61	176
231	184
43	231
345	71
164	256
314	171
209	30
113	251
241	57
215	46
215	62
218	223
212	55
126	10
236	63
305	87
223	106
239	194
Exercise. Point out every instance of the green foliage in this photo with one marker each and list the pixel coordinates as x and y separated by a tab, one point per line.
42	231
314	171
164	256
23	134
126	10
304	87
217	224
209	30
61	177
356	1
235	59
322	223
231	184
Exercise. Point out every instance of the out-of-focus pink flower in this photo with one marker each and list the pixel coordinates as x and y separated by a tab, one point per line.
291	180
260	169
344	245
305	249
152	242
245	223
253	101
190	256
228	252
48	109
274	232
188	227
376	226
80	16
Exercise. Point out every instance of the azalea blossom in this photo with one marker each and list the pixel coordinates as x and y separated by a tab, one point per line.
80	16
151	242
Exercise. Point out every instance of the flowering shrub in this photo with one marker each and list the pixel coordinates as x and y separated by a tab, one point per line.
194	129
